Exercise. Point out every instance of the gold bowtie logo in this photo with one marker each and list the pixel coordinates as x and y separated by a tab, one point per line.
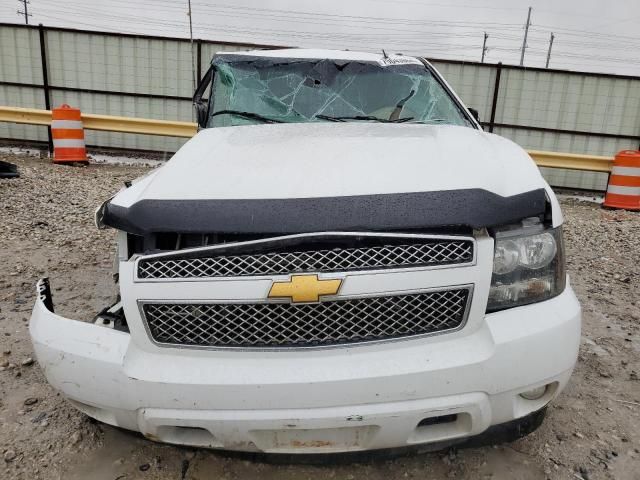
304	288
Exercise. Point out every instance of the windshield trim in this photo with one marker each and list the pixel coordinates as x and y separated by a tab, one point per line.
445	86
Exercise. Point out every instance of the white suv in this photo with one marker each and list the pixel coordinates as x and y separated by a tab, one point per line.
340	260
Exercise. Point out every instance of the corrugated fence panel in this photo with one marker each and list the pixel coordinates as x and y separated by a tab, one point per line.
20	55
473	83
563	142
20	63
569	102
108	62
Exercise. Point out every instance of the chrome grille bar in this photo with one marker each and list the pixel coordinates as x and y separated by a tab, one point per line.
411	252
268	325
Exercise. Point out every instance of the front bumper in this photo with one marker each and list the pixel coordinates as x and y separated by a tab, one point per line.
412	392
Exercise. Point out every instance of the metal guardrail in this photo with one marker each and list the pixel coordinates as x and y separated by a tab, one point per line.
569	161
103	122
572	161
25	115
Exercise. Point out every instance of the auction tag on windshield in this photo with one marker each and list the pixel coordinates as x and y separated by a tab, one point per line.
398	60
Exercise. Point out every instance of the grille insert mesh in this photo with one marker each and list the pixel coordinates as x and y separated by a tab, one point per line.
427	253
300	325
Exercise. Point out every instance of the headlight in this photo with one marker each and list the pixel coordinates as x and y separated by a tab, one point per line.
528	267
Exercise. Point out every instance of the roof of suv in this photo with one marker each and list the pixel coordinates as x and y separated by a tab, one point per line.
328	54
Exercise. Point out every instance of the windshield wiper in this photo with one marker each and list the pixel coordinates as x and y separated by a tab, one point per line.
398	110
251	115
362	117
431	121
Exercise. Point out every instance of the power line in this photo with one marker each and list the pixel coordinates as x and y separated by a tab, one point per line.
324	36
402	32
297	15
382	36
628	45
300	16
352	17
242	33
590	33
445	5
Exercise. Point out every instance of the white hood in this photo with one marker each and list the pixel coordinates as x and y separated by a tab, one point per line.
336	159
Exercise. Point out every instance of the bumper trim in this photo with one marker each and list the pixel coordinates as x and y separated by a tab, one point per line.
494	435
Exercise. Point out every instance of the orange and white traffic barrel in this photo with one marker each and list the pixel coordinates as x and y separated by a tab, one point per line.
623	190
68	135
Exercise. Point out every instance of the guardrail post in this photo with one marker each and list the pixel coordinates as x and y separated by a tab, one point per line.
494	103
45	80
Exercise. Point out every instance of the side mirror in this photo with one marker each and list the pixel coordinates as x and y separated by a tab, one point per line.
201	104
475	114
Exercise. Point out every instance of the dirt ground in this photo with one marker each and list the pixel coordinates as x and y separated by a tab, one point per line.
592	430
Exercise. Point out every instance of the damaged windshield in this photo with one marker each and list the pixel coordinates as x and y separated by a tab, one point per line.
271	90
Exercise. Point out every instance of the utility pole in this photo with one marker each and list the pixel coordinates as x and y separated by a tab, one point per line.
193	65
526	33
549	52
484	46
25	12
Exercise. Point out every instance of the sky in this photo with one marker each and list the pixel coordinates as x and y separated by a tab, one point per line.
590	35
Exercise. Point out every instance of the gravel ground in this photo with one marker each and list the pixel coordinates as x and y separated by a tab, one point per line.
592	431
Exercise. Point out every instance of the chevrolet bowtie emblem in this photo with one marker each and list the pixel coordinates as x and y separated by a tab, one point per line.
304	288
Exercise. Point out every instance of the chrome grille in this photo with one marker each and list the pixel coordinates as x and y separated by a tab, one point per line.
306	325
425	253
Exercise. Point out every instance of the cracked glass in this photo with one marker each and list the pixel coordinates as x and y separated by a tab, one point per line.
272	90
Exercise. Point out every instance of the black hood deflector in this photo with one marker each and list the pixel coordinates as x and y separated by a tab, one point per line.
474	208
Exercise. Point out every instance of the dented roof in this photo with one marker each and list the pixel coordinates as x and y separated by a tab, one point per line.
312	53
